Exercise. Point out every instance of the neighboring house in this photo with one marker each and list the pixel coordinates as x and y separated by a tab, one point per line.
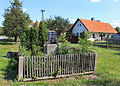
32	24
98	30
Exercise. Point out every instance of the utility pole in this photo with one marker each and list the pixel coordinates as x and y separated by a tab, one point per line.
42	14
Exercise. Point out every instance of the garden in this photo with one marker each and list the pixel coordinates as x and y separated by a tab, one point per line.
107	69
75	59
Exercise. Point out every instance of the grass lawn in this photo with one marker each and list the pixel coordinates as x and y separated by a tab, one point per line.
108	70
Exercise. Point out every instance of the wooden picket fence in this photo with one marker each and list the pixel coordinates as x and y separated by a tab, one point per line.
44	67
113	43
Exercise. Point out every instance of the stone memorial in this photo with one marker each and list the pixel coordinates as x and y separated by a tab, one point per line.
51	45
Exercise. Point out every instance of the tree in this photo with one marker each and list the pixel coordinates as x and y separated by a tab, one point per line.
58	24
32	40
117	29
1	30
15	20
43	34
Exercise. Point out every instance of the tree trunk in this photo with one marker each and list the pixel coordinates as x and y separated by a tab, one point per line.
16	40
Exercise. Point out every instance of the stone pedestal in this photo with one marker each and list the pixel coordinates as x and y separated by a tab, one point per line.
51	48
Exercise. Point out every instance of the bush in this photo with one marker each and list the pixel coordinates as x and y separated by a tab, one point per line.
84	45
64	47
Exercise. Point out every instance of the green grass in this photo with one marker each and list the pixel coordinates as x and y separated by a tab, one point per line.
7	45
108	69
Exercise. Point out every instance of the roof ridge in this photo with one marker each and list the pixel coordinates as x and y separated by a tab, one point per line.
93	21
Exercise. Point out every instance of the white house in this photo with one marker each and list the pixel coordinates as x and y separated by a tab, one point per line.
99	30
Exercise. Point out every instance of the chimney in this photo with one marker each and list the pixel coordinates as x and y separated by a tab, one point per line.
92	19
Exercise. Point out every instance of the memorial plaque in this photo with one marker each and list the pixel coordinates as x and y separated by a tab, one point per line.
52	37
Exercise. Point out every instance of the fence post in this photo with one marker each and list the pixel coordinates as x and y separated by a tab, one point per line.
20	68
96	58
107	43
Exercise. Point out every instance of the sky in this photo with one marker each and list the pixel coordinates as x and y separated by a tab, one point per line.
107	11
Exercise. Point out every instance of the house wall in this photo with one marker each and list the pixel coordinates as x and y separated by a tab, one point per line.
78	28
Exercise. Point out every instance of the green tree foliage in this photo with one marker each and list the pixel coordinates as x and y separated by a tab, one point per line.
15	20
117	29
84	45
43	29
1	30
58	24
64	46
43	33
32	40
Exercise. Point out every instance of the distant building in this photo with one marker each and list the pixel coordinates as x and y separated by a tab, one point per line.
32	24
98	30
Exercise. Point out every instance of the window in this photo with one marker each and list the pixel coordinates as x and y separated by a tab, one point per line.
77	34
93	35
82	35
79	24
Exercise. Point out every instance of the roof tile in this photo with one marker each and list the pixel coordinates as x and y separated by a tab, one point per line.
97	26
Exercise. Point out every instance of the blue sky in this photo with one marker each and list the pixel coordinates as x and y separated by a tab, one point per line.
104	10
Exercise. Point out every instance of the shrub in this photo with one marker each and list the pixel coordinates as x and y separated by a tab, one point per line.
64	47
84	45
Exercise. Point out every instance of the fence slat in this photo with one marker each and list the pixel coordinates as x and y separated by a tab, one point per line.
24	68
96	57
27	66
39	67
72	64
60	65
42	67
51	65
30	66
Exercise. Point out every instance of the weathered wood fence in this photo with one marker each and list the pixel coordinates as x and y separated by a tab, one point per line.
113	43
110	43
37	67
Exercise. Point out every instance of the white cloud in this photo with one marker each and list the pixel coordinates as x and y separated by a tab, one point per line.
115	0
24	9
115	23
73	21
95	1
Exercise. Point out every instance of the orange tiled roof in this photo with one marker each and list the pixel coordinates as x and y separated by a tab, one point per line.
38	23
97	26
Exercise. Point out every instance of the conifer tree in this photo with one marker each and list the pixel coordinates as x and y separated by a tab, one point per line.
43	34
35	47
15	20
